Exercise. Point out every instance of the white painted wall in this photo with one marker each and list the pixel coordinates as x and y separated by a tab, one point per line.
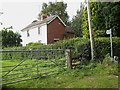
34	36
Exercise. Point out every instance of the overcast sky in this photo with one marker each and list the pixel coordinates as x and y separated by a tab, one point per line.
21	13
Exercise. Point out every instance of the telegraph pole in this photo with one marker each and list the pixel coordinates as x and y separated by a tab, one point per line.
90	29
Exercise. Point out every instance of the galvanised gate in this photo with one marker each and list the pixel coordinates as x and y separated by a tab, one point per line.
22	65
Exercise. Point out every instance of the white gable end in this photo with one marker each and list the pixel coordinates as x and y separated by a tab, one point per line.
35	35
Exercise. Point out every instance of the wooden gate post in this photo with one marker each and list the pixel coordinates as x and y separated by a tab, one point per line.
69	58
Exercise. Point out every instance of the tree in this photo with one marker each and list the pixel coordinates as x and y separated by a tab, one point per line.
105	15
112	17
85	24
76	23
9	38
58	8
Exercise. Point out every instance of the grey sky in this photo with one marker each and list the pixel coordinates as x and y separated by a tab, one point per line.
20	14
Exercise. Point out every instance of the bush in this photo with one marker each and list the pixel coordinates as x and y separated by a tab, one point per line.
79	47
33	44
102	46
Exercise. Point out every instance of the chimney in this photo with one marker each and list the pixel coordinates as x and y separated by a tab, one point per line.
42	17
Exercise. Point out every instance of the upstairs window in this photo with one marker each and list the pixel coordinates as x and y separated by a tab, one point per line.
28	34
39	30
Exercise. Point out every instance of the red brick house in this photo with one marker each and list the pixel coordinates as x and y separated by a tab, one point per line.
48	30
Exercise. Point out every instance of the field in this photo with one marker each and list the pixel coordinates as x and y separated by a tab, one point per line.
30	69
99	75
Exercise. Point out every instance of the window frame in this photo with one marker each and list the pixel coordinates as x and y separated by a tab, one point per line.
28	33
56	39
39	30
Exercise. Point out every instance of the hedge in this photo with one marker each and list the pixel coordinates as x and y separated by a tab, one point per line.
79	46
103	46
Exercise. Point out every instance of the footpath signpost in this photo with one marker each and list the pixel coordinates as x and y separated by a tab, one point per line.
110	32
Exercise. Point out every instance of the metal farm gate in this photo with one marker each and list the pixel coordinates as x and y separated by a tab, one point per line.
22	65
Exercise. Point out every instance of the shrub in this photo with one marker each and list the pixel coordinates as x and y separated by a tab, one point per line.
102	46
79	47
33	44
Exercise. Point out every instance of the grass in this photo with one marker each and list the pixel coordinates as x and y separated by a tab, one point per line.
99	75
42	72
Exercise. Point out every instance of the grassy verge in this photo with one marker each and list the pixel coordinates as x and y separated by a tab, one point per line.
99	75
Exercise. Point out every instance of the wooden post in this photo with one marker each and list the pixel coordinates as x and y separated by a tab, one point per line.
69	59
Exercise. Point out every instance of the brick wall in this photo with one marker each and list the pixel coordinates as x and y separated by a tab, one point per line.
56	30
70	35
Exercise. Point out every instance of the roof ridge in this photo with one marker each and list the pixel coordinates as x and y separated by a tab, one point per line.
39	22
47	18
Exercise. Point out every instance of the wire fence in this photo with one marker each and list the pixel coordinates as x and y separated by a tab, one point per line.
22	65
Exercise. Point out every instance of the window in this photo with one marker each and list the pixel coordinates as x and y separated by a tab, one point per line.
28	34
56	39
39	41
39	30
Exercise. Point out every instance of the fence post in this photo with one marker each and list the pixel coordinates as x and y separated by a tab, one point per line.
68	58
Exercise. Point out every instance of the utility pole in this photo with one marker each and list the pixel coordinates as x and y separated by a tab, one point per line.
90	29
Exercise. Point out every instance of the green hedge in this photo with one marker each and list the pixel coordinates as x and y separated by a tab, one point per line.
102	46
79	46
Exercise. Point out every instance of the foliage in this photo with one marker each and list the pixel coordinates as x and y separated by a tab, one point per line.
85	24
102	46
100	33
76	23
79	46
105	15
9	38
33	44
53	8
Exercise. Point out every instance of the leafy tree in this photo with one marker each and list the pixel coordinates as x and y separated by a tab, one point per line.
85	24
9	38
112	17
105	15
76	22
58	8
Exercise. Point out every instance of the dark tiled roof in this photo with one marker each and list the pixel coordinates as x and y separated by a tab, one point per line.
40	22
68	30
